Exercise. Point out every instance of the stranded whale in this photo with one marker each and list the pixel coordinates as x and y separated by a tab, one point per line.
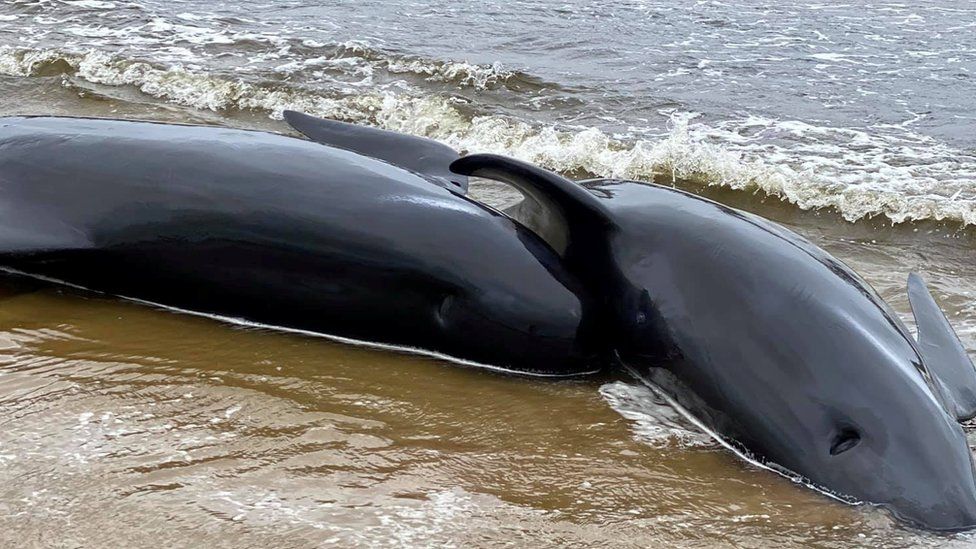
767	340
763	337
284	231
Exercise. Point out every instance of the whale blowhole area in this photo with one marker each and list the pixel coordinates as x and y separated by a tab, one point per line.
845	440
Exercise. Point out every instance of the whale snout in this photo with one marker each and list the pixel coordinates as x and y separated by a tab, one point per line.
944	501
956	513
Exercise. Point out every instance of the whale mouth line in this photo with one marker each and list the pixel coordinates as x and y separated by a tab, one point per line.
741	453
788	474
297	331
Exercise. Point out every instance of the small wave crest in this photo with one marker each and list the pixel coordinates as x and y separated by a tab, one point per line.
905	177
460	73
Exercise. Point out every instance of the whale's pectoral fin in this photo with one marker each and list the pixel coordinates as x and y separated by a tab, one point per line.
942	352
417	154
560	211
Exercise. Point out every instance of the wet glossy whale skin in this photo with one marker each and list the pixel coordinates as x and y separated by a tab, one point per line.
781	348
286	232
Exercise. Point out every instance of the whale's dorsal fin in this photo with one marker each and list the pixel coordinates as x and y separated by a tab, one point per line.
942	352
562	213
417	154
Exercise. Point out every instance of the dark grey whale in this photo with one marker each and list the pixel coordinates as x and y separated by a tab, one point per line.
767	340
764	338
284	231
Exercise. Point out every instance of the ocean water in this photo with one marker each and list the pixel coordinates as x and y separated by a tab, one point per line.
851	123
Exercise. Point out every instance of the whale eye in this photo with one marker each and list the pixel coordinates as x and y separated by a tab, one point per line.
844	441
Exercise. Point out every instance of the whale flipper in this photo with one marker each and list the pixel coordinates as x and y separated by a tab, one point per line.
942	352
417	154
560	211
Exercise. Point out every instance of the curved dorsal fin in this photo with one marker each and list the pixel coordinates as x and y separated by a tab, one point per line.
564	214
417	154
942	352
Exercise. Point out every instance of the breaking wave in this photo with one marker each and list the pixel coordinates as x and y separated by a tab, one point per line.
460	73
903	176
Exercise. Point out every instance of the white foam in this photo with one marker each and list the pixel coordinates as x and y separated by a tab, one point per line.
653	421
462	73
888	170
91	4
364	59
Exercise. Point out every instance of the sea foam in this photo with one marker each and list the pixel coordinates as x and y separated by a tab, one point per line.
907	177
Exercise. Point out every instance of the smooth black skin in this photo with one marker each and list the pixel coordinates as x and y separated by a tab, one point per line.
283	231
768	340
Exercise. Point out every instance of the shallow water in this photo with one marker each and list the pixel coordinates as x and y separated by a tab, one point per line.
125	425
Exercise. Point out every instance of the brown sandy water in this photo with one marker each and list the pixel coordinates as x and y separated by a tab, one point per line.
125	426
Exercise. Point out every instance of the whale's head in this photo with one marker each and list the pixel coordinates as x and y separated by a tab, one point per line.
784	352
857	425
765	339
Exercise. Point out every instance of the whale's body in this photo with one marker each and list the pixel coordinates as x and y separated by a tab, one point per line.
282	231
